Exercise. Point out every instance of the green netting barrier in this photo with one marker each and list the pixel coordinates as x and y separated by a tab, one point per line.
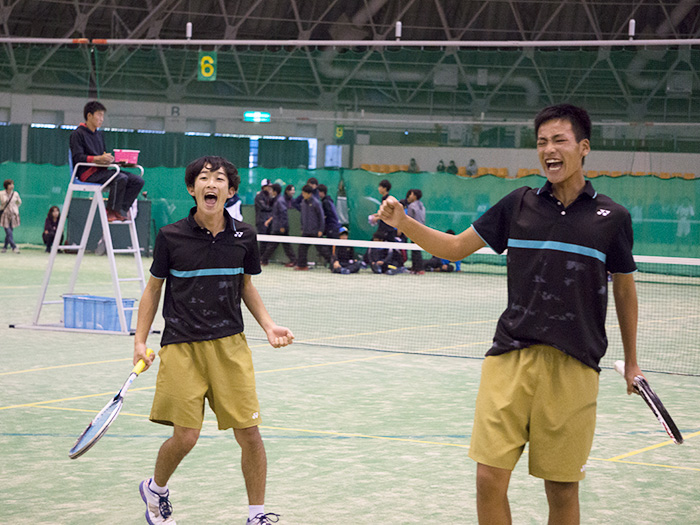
665	213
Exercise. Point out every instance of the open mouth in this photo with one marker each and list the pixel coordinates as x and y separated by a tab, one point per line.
553	165
210	198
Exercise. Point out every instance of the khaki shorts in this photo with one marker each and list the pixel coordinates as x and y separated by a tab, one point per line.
541	395
220	370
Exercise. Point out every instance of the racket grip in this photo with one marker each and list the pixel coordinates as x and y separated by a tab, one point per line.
141	364
620	367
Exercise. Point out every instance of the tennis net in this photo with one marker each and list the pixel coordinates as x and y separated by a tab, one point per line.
455	313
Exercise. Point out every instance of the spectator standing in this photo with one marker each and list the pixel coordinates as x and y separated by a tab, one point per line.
440	167
384	230
280	224
332	227
87	144
413	166
263	210
10	201
313	223
416	210
50	227
452	168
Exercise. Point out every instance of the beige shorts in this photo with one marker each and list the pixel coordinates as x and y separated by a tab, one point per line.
538	395
220	370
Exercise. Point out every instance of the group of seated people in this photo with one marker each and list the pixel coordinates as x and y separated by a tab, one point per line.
387	261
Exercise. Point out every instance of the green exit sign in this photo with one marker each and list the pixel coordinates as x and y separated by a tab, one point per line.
256	116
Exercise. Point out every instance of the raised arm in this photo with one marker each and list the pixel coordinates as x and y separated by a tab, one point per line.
443	245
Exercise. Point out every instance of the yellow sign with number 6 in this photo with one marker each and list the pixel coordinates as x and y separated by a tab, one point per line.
207	66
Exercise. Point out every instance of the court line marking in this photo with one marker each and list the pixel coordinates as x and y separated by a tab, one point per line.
651	447
674	467
56	367
404	440
365	436
124	359
112	392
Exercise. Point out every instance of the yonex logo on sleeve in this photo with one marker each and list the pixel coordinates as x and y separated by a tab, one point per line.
603	212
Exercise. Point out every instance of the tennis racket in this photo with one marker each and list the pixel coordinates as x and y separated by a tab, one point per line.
101	422
641	385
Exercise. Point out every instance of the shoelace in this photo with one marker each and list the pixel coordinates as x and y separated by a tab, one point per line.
164	507
264	519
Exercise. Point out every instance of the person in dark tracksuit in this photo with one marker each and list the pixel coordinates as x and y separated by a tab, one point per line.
343	258
280	224
313	222
332	227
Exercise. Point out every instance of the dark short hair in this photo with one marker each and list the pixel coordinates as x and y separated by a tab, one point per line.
7	183
308	188
289	187
92	107
417	193
312	180
196	166
277	188
385	184
578	117
322	188
51	209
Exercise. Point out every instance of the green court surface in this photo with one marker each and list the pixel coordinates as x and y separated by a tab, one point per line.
353	436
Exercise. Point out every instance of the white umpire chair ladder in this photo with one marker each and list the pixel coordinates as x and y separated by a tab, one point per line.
96	206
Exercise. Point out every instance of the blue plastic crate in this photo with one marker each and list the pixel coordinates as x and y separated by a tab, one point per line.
92	312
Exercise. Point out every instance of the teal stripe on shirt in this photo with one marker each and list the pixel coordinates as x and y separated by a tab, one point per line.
206	272
559	246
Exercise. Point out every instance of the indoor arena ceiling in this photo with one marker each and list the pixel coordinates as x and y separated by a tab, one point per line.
628	83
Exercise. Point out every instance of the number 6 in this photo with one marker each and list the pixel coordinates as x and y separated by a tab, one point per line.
206	66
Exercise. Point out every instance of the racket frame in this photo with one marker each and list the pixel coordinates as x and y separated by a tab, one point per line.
79	448
642	387
657	407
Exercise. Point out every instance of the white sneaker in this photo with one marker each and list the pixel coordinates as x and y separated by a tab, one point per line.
158	508
264	519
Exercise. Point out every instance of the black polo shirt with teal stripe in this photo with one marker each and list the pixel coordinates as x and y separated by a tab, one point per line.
204	277
558	262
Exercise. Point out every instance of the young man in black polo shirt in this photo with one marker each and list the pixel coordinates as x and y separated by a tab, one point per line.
206	261
539	381
87	144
